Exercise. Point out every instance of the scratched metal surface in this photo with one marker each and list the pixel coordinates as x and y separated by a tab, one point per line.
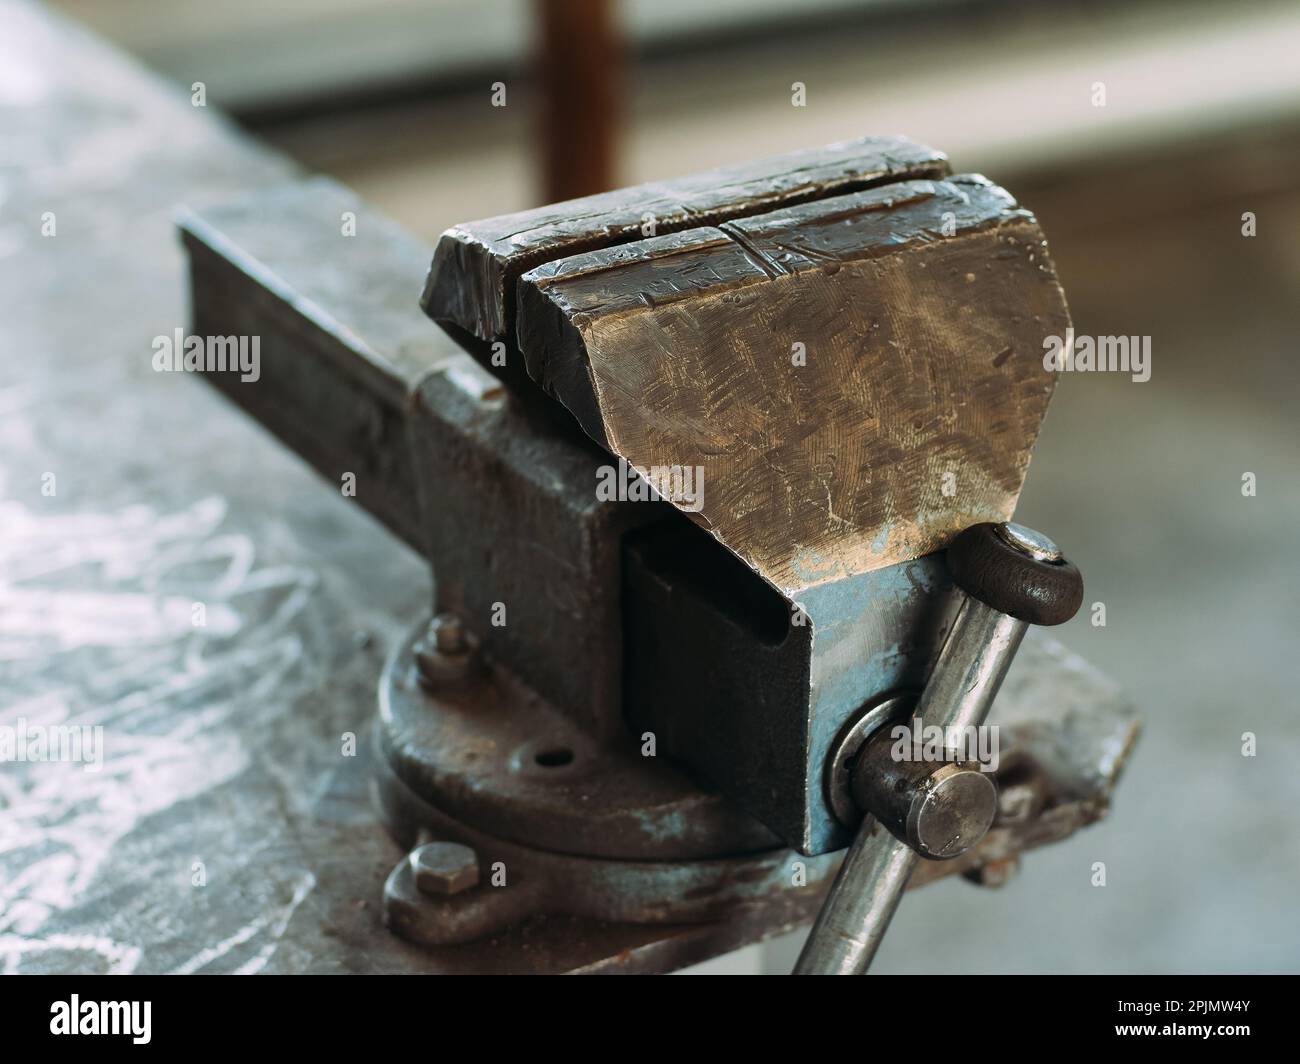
923	352
471	280
221	744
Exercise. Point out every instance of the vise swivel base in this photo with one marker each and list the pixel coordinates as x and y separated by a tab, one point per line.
715	477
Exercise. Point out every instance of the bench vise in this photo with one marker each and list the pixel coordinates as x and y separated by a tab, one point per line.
686	479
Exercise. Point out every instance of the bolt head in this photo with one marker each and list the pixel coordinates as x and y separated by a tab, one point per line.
442	869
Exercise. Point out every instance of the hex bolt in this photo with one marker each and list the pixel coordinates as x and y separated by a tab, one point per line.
446	654
448	633
442	869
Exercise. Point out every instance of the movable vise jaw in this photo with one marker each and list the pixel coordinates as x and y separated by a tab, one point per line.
687	509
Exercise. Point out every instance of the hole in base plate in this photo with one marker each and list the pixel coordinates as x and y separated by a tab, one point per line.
554	758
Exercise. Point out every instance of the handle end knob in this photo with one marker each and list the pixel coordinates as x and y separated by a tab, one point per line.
1016	571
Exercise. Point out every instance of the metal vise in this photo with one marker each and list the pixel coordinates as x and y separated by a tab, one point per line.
686	508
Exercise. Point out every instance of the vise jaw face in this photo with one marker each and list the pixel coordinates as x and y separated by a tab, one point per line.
845	348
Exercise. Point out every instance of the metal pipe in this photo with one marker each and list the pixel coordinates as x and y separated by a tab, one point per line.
861	902
971	666
966	676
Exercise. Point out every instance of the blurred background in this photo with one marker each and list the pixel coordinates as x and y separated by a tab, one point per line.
1142	196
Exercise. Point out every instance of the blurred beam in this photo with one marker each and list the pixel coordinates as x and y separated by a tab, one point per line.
580	60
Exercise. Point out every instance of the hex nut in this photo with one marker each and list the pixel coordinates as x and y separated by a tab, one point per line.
442	869
446	654
447	633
